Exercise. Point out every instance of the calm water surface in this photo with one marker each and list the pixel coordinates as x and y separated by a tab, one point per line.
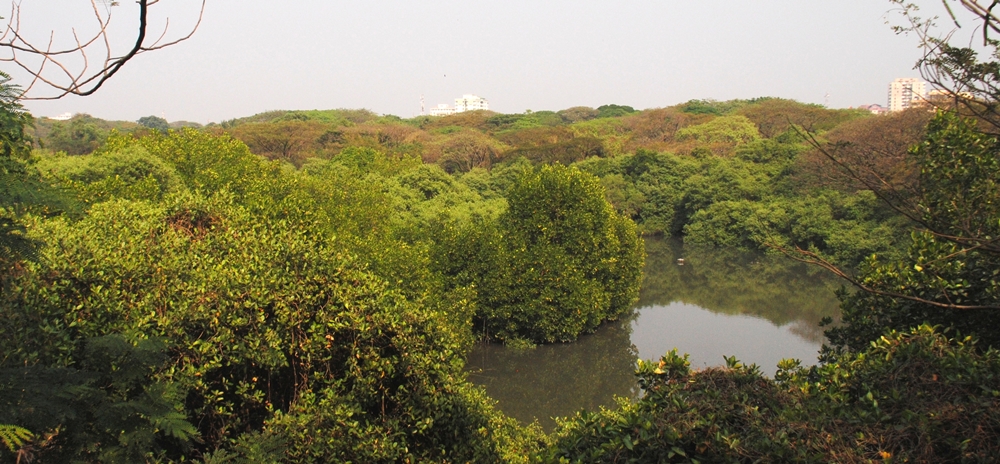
719	303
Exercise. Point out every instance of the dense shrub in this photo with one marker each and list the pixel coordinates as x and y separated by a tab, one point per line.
911	397
948	275
268	329
563	261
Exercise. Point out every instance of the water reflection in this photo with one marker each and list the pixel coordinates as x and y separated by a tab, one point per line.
772	287
558	380
708	336
720	302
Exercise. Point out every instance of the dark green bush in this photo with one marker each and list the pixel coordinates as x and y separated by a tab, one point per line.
562	262
911	397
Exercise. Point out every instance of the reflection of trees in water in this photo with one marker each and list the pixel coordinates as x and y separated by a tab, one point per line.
736	282
558	380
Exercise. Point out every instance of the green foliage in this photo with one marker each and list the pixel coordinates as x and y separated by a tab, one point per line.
776	117
578	113
341	117
527	120
428	197
611	131
14	142
14	437
207	164
14	244
949	263
154	122
367	160
716	108
212	305
21	188
563	262
914	396
747	201
109	396
78	136
959	178
566	152
734	130
613	111
272	327
649	187
844	228
129	173
272	290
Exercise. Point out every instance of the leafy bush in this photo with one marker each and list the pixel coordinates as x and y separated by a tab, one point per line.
130	173
949	273
724	129
270	328
911	397
563	261
109	395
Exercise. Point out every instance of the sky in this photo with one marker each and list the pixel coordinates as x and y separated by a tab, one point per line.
250	56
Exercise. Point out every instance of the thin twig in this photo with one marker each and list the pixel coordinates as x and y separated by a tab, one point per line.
82	80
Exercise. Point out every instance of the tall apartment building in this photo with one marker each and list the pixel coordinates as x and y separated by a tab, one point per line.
906	92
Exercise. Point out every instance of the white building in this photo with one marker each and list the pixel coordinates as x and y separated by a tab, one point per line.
442	110
906	92
470	103
466	103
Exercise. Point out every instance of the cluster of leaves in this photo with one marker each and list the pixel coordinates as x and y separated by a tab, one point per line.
21	188
722	173
538	251
106	397
950	274
80	135
914	396
747	201
556	263
730	173
214	305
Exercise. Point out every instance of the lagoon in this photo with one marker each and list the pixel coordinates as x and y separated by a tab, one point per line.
759	308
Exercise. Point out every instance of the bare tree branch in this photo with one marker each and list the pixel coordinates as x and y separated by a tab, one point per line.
985	13
82	79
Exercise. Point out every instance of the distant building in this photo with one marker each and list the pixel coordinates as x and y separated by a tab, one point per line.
62	117
946	98
875	108
466	103
442	110
470	103
906	92
940	98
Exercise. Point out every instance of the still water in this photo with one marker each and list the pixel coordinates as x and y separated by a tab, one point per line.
719	303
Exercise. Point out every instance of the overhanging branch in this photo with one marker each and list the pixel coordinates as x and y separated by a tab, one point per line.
82	79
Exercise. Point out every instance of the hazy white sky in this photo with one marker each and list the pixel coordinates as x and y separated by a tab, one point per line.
251	56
